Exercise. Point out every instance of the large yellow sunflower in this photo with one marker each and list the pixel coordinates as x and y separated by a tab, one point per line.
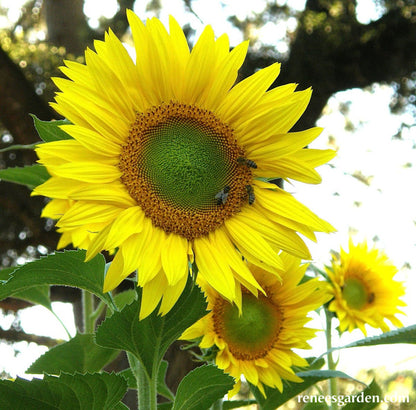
364	290
169	161
258	341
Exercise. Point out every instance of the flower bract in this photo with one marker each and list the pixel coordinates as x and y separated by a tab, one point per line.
364	289
258	342
169	161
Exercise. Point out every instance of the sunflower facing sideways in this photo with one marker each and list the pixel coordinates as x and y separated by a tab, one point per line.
169	161
364	289
258	341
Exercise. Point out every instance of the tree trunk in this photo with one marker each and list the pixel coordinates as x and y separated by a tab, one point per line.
67	25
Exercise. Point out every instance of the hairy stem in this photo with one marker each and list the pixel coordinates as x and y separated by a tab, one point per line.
87	311
331	363
146	386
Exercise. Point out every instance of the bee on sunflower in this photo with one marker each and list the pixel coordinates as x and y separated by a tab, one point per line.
153	142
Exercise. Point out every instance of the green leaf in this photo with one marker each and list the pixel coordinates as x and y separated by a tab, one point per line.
125	298
164	406
274	398
61	268
38	294
402	335
67	392
31	175
129	377
228	405
49	130
202	387
366	400
148	339
19	147
5	273
80	355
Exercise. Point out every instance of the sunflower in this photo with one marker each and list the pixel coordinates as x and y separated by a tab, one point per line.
169	161
363	288
258	341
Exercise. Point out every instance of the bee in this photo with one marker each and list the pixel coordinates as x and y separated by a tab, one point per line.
222	196
250	193
371	297
247	162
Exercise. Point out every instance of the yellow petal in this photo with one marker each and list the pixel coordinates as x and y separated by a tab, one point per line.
93	141
174	258
282	203
213	268
150	258
290	168
199	68
151	295
57	187
246	94
56	208
234	259
82	213
93	172
225	77
284	238
172	294
281	145
127	223
251	240
277	119
114	194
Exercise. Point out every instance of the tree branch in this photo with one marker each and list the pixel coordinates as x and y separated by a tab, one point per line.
13	335
18	99
333	54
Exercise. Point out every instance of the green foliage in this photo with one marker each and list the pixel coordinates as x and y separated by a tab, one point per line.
50	130
125	298
402	335
31	175
67	392
274	398
62	268
80	355
202	387
148	339
36	294
39	295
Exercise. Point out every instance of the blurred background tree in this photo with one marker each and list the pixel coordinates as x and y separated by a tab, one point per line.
321	44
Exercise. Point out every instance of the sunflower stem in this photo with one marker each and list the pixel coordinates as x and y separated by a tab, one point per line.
146	386
97	312
333	388
87	310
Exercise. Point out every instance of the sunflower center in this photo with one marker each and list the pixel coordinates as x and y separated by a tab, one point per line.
355	293
185	164
183	167
250	335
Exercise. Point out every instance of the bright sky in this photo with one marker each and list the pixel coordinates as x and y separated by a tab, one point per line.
385	209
